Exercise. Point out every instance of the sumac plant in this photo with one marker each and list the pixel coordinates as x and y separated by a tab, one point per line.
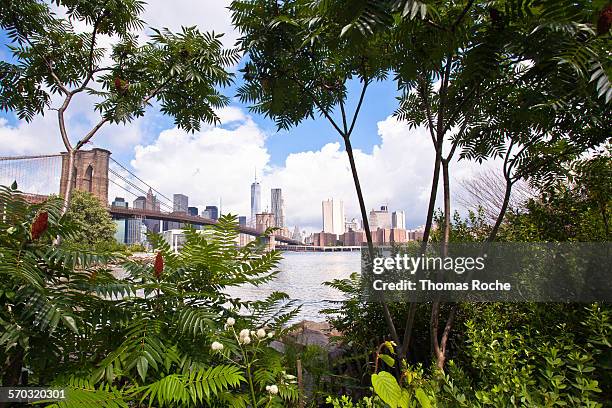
118	332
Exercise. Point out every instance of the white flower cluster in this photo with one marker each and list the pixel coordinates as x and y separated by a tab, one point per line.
244	336
272	389
216	346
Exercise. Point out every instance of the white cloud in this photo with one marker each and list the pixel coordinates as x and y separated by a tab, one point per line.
208	15
208	165
219	162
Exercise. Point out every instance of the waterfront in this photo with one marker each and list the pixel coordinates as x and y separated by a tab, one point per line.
302	275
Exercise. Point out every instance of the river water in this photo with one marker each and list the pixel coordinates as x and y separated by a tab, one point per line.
301	276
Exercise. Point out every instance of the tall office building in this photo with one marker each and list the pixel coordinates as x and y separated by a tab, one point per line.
133	233
380	218
181	203
255	201
333	216
211	211
242	221
193	211
398	220
278	207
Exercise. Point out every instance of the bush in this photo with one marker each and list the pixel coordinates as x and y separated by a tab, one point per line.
147	337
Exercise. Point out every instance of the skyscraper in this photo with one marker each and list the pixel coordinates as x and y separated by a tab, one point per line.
278	205
212	212
398	219
255	200
193	211
181	203
380	218
333	216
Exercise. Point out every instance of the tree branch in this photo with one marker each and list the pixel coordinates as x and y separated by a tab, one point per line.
358	108
463	13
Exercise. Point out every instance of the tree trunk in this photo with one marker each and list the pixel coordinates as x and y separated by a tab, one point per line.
432	197
502	212
69	181
439	344
366	227
447	207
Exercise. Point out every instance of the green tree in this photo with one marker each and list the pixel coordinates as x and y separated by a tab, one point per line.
94	223
575	209
52	63
299	66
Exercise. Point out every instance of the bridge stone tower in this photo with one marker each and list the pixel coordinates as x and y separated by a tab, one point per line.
264	221
90	173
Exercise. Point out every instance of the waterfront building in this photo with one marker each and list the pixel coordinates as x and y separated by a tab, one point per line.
324	239
242	221
277	206
380	218
193	211
297	235
333	216
353	238
398	220
152	204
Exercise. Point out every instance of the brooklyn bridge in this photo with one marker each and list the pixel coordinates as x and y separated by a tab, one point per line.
95	171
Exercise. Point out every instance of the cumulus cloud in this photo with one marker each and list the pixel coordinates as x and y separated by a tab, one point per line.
208	15
212	164
219	162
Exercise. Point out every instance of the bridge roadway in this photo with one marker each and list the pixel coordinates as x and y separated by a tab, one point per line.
186	218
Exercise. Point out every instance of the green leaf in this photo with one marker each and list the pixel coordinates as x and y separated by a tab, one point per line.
387	388
390	361
70	323
142	366
422	398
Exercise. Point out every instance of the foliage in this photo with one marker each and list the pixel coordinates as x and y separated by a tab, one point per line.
95	225
576	210
181	71
47	293
145	337
298	65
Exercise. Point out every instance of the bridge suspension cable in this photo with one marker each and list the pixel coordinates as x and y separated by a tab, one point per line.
36	174
141	180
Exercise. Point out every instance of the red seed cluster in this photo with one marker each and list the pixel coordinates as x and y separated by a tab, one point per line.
158	267
605	20
40	225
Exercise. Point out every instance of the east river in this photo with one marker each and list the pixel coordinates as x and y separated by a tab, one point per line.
301	276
